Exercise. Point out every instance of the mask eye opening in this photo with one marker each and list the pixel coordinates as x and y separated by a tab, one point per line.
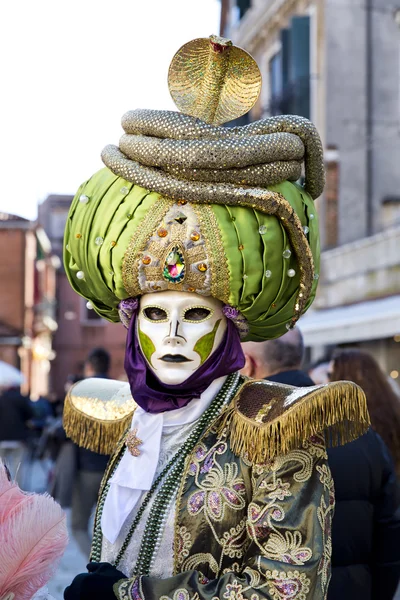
197	314
155	314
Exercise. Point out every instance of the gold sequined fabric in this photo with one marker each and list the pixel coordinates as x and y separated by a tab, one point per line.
268	419
174	142
214	80
161	230
97	412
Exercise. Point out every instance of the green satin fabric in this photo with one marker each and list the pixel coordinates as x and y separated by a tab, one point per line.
267	303
248	532
115	212
114	217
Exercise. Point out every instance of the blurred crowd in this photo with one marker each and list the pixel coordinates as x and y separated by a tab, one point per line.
32	436
366	526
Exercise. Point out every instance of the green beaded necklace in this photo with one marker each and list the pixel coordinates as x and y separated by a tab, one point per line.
168	479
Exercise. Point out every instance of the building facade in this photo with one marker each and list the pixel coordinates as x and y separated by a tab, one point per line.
79	328
338	64
27	301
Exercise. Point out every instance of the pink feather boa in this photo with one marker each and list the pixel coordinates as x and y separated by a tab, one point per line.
33	537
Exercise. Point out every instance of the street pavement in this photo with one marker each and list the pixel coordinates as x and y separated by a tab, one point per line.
72	563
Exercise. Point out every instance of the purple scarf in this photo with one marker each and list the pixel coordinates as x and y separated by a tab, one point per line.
154	396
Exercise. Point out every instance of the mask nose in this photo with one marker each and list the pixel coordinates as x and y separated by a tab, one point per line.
174	337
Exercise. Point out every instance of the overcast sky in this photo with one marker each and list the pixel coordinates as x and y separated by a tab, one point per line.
69	71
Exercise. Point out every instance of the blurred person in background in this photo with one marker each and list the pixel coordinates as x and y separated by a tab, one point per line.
16	413
42	413
383	402
366	523
90	466
64	453
319	370
97	364
37	458
277	360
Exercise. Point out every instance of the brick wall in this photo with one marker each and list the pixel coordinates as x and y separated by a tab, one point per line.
12	274
9	354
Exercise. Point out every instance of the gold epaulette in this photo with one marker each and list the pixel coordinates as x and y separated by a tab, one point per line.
97	412
267	419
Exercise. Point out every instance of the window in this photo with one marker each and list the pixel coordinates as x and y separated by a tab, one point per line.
243	6
90	316
289	71
58	218
300	65
391	211
275	84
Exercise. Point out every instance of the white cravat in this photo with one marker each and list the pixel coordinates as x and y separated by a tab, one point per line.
135	474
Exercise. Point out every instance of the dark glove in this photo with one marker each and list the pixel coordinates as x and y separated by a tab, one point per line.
97	583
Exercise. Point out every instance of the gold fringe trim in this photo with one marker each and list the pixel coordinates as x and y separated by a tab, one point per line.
93	434
337	411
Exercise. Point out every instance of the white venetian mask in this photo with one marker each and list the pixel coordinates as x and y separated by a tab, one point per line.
178	331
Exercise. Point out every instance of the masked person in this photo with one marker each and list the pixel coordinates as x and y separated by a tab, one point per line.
195	236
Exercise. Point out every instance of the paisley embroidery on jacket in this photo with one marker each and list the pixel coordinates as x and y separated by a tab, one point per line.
184	541
233	568
181	594
291	585
202	558
234	591
220	487
325	515
316	446
128	589
288	586
274	487
233	540
280	546
207	457
288	549
277	489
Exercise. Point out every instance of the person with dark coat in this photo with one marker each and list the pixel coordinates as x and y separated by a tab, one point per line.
366	523
15	413
90	466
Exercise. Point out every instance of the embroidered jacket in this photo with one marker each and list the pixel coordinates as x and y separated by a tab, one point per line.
255	500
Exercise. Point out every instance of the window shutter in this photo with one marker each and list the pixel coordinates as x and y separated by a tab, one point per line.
243	6
300	65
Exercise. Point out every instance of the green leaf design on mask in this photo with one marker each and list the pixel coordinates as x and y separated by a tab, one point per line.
205	344
146	345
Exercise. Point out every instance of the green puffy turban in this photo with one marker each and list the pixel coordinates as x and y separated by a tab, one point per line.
122	239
